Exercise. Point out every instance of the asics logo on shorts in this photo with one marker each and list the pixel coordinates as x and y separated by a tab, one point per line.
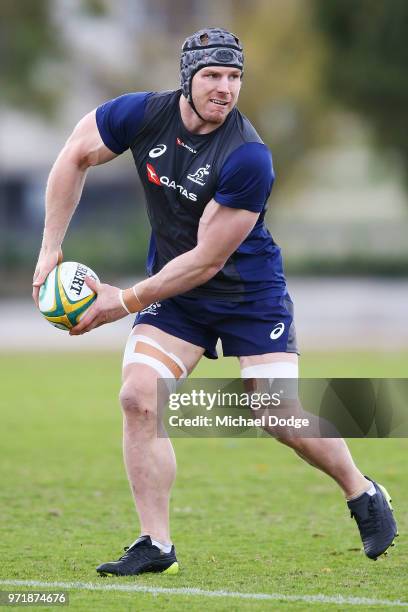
277	331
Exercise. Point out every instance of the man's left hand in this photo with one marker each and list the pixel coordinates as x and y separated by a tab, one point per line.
106	308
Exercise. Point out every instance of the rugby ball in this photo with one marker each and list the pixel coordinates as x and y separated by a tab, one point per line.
65	297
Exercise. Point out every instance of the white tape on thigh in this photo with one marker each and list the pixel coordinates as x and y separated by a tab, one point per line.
132	356
277	369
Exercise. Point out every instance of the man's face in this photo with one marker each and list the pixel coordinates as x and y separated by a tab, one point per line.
215	92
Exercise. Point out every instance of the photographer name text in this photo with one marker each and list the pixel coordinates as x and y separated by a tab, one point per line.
238	421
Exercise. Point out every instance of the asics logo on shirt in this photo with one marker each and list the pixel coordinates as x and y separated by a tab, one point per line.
277	331
198	176
167	182
157	151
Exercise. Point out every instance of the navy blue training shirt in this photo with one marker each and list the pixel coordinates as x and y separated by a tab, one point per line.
181	172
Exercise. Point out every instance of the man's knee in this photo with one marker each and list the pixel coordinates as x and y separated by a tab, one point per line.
138	398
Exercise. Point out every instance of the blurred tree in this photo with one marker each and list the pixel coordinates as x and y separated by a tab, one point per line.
96	8
366	66
282	90
26	37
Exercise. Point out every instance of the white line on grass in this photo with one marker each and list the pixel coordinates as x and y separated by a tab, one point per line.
129	588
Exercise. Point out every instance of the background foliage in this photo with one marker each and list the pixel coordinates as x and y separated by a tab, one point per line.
321	79
366	63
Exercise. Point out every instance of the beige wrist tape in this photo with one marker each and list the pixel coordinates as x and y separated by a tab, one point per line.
130	300
122	302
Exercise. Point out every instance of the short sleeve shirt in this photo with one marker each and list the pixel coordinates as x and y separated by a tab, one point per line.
181	172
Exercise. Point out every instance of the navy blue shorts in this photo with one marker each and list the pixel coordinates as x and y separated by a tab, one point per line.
245	328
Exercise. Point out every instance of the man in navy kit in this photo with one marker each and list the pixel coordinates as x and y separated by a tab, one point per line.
214	273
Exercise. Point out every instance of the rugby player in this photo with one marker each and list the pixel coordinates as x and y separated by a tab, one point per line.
214	272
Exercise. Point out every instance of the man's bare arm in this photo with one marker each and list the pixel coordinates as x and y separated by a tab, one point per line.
83	149
220	233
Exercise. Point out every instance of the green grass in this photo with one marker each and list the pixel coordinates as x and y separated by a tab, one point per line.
247	514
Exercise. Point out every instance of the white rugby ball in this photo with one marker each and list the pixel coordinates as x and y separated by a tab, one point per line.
65	297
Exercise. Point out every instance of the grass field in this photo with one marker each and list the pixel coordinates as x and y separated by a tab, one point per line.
247	515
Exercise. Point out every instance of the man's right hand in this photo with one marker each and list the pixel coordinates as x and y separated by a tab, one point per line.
83	149
47	260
